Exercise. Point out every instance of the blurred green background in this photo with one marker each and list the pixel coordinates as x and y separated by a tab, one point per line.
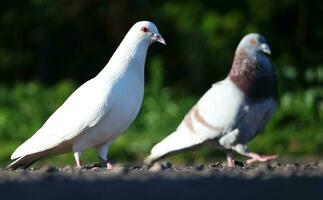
49	48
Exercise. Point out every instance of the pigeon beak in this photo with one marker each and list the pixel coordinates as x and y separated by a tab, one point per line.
265	48
159	38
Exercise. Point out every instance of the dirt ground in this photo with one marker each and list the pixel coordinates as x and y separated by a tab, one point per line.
166	181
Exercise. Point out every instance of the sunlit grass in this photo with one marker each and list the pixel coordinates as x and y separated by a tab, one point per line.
295	129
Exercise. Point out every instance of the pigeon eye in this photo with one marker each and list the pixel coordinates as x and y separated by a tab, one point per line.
144	29
253	42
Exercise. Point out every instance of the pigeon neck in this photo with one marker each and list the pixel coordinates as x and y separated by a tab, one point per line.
253	75
129	56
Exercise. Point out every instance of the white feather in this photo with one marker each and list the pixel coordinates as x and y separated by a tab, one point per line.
102	108
223	115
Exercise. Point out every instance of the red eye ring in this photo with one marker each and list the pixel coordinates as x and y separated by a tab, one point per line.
144	29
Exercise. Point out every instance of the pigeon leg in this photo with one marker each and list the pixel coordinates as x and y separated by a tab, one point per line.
243	150
102	150
230	161
261	158
77	156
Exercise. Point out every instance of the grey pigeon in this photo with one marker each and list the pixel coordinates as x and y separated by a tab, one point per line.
234	110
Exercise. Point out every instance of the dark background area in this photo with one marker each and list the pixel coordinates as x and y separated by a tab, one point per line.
64	39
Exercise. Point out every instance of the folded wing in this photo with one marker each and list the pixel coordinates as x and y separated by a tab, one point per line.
80	112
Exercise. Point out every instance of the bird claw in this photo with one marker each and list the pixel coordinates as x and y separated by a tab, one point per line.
260	158
109	166
106	164
231	163
77	167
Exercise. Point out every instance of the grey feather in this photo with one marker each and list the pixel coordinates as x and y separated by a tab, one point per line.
234	110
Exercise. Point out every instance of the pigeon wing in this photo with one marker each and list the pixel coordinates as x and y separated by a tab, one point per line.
253	118
80	112
207	120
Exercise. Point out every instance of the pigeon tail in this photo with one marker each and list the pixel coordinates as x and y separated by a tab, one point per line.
177	141
19	152
23	162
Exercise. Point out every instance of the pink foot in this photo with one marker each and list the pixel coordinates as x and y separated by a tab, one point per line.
106	164
230	161
231	164
77	156
260	158
109	166
79	165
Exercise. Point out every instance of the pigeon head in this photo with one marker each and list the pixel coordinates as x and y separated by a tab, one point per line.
252	70
147	32
132	51
254	43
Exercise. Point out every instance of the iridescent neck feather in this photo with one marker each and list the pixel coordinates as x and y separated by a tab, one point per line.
252	77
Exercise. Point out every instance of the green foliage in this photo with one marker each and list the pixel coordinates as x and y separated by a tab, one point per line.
25	106
296	128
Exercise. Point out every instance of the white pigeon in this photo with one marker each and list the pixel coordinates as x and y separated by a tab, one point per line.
232	111
98	111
